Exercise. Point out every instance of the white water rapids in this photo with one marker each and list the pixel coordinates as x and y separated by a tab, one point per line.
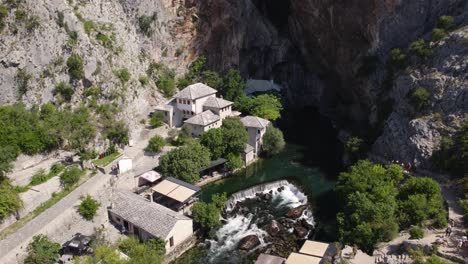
223	247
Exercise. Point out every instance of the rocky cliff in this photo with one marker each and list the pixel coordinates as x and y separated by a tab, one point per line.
326	53
414	136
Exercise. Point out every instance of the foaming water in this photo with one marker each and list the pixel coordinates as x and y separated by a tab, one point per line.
285	196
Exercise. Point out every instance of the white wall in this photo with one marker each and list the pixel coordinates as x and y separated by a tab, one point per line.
200	102
182	230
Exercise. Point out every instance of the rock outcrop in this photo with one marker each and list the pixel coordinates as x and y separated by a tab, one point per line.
414	136
296	212
249	242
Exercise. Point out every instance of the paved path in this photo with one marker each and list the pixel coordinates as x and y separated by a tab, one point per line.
35	225
52	218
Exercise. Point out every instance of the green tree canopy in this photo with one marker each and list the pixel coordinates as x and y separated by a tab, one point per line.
150	252
273	141
234	161
235	136
185	162
233	86
10	201
42	251
267	106
70	176
207	215
213	140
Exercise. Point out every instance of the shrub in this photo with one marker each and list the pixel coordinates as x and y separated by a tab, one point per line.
42	251
421	49
64	90
166	84
157	119
445	22
88	154
123	75
3	14
152	251
75	67
88	207
20	15
88	26
60	19
22	79
438	34
145	23
420	98
118	134
104	40
39	177
70	176
416	232
179	51
143	80
451	156
32	23
10	200
72	38
273	141
155	144
397	58
57	168
92	91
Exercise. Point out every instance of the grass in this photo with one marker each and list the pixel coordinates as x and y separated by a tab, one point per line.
106	160
56	197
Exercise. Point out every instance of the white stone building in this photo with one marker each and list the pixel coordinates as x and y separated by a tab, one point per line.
256	127
198	107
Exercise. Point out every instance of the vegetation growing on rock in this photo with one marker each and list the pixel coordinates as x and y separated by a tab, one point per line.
88	207
42	250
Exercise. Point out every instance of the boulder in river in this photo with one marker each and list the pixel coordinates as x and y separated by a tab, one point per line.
300	231
274	228
296	212
249	242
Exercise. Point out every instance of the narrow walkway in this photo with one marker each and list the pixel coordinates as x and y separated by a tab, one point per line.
34	226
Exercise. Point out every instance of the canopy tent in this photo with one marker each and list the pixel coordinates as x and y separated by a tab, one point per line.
151	176
175	189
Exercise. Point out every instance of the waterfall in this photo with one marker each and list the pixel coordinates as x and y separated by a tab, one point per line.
250	192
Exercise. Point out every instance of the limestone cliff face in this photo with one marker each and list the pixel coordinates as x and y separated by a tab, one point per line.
43	50
415	136
318	49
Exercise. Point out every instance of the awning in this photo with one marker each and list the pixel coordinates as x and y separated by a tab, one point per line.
175	190
314	248
151	176
296	258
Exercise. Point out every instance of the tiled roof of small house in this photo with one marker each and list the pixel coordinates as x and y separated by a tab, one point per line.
203	119
254	121
149	216
195	91
216	102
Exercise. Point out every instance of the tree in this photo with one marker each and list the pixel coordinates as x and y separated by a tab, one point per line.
267	106
7	155
197	66
445	22
273	141
207	215
123	75
70	176
211	79
233	86
155	144
438	34
157	119
421	199
105	254
213	140
184	136
186	162
397	58
75	67
234	136
233	161
452	155
420	98
42	251
219	200
88	207
368	193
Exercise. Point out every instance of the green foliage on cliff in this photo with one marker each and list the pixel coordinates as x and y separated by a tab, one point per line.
10	201
163	77
420	98
374	208
22	79
266	106
145	24
75	67
64	91
155	144
421	49
185	162
445	22
123	75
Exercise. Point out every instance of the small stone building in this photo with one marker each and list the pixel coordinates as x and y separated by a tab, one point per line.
147	220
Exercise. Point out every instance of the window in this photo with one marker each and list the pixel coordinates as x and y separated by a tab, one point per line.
258	131
171	241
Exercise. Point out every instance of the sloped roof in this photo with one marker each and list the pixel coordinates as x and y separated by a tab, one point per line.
149	216
314	248
195	91
203	119
296	258
254	121
216	102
